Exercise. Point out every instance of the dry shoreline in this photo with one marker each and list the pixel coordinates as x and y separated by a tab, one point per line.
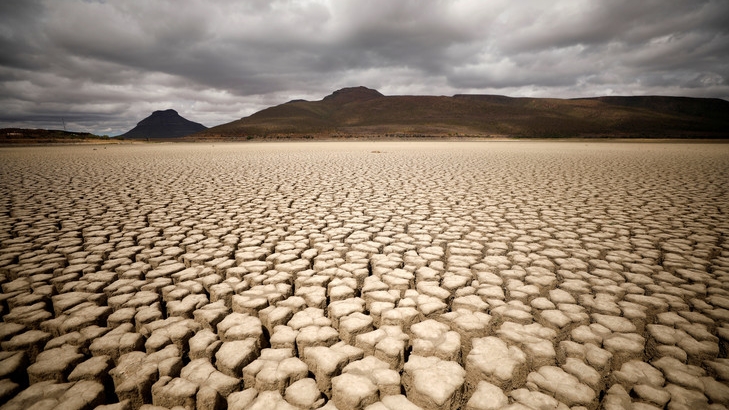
369	139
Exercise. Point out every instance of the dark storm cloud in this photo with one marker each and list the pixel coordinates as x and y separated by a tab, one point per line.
104	65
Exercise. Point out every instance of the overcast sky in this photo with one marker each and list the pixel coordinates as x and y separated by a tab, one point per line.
103	65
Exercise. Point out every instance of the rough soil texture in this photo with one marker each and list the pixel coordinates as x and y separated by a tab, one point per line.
369	275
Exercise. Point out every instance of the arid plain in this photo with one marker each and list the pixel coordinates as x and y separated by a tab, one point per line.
377	275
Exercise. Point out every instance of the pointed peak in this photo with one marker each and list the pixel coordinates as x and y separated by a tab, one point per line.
168	111
349	94
164	124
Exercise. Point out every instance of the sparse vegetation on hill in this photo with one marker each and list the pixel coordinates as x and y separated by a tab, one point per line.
363	112
41	136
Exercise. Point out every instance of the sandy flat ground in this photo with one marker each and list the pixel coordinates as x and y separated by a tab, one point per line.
378	275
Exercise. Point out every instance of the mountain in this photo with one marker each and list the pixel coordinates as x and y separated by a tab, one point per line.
363	112
164	124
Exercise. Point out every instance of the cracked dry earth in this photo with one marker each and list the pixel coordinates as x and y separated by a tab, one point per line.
514	275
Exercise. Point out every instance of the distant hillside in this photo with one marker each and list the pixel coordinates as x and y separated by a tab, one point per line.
41	136
363	112
163	124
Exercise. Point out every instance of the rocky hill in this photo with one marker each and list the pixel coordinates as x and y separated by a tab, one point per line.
363	112
162	125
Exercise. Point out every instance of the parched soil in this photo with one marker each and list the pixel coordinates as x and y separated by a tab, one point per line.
377	275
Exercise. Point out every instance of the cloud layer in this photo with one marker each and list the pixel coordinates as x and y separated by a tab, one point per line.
102	66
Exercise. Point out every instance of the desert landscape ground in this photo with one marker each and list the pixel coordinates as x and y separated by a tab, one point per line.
365	275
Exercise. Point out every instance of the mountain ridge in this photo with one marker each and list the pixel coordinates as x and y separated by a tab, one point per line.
164	124
364	112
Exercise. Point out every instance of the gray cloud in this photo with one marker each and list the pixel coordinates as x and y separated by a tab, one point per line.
104	65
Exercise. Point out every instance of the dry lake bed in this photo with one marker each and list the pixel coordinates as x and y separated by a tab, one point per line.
367	275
